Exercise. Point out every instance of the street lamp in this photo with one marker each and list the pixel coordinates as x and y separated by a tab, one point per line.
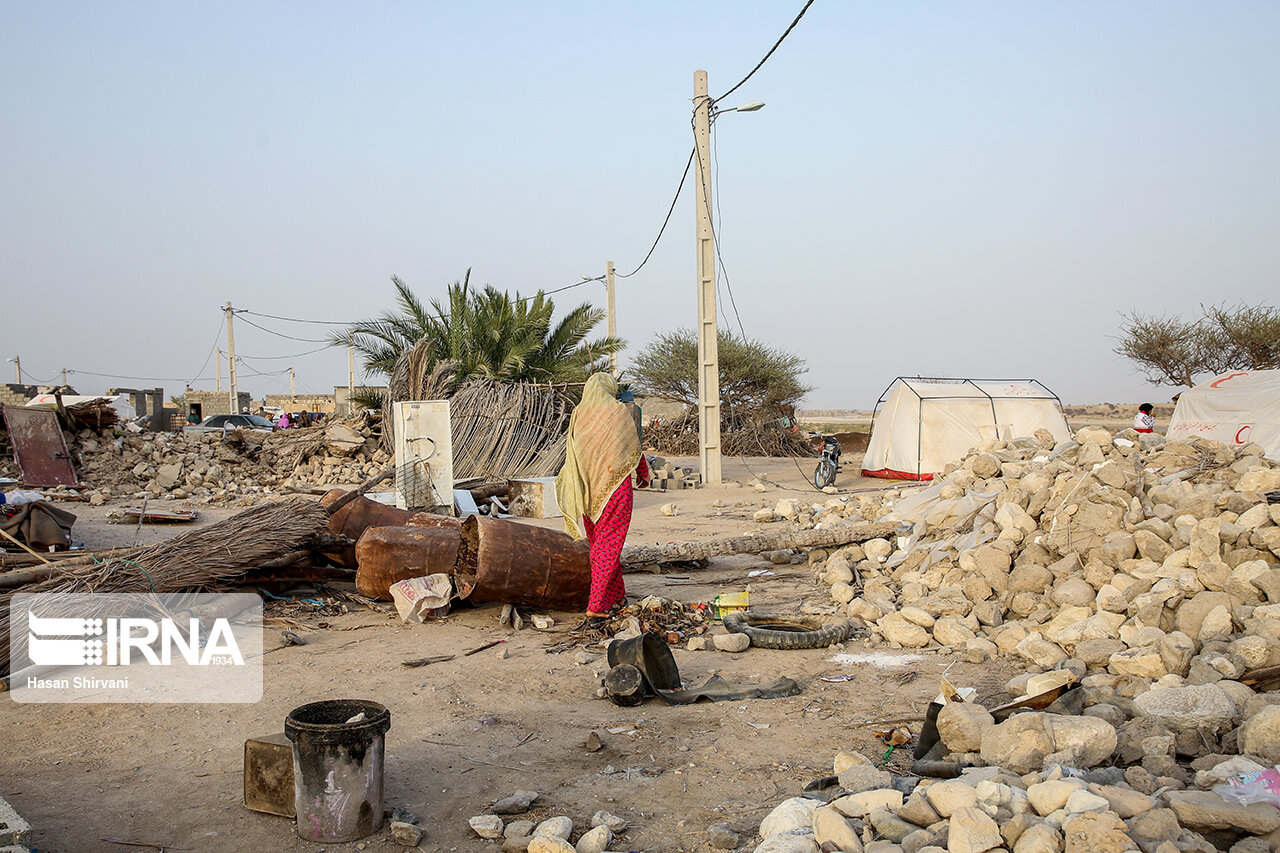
704	112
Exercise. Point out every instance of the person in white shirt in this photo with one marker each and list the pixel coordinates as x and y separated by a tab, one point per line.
1144	421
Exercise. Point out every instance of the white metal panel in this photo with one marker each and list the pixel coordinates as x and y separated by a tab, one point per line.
424	455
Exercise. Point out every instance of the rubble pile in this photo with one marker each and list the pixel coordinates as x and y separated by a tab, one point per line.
1051	810
547	836
1147	570
217	467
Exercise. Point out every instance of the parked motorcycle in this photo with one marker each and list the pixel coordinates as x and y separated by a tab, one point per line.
829	462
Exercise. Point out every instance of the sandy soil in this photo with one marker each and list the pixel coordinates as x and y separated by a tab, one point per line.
469	731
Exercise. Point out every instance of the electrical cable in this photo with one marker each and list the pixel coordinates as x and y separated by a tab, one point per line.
715	232
283	335
785	33
670	209
255	372
278	357
558	289
217	337
138	378
293	319
34	381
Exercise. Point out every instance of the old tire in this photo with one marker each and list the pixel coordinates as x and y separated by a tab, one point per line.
825	474
802	631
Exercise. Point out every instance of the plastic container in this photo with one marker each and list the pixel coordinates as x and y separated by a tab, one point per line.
337	767
729	602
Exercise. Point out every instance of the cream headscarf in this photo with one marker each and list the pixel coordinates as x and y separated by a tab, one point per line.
603	450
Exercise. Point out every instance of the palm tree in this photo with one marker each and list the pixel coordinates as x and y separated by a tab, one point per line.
489	333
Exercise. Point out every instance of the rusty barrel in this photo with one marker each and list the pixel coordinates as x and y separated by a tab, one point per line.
387	555
355	518
515	563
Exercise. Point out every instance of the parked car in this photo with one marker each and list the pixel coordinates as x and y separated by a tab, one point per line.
221	423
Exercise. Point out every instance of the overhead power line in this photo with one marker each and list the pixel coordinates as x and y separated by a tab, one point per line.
293	319
282	334
137	378
217	337
278	357
674	199
785	33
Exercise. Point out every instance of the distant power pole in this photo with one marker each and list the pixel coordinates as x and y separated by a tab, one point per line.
708	345
219	367
611	311
351	375
231	361
290	381
17	368
64	377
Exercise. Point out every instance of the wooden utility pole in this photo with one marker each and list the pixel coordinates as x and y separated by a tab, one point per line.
610	311
708	345
231	361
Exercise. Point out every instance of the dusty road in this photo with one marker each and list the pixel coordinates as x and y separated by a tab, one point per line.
469	731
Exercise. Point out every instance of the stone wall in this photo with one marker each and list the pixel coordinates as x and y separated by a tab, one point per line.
299	402
17	395
214	402
341	405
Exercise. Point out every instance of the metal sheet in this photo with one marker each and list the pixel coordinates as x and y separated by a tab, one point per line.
387	555
424	454
39	447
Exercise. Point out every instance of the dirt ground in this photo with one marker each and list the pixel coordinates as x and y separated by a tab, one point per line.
469	731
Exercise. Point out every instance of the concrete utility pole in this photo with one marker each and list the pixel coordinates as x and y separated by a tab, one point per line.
231	361
708	345
17	368
610	311
219	369
291	381
64	377
351	375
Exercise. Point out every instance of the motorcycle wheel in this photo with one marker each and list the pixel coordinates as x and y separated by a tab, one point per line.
825	474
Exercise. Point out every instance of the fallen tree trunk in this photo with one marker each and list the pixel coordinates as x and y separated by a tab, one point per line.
826	537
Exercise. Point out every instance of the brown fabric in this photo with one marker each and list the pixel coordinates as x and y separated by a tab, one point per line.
39	525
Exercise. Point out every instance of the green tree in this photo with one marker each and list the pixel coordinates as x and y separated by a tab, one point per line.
489	333
756	380
1169	350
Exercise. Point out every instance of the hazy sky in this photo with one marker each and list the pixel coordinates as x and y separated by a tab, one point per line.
948	189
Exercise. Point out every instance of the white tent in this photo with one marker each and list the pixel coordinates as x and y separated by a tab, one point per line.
1237	408
922	425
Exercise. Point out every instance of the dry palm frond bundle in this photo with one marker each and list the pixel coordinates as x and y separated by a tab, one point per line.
211	558
505	429
500	429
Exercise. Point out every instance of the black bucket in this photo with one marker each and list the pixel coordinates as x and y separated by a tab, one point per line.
652	656
624	685
337	768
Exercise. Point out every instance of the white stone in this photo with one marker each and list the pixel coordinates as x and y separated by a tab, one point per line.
949	797
595	840
791	814
731	642
1048	797
555	827
486	825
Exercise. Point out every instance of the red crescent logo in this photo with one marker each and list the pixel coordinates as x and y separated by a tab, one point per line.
1240	433
1226	379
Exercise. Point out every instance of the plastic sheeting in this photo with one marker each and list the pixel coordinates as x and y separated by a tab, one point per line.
925	425
1235	408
